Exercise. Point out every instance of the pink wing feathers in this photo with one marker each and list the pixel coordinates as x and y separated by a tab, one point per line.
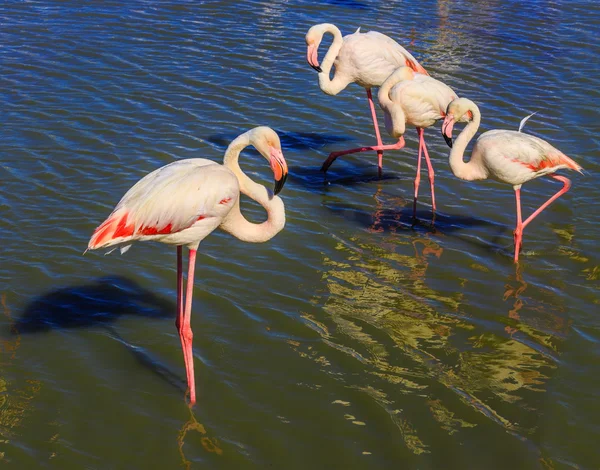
516	157
169	200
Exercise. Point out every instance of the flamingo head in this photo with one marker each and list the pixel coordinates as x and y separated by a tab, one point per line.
459	110
267	142
313	39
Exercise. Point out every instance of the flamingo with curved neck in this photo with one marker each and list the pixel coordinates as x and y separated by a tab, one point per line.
419	100
508	156
363	58
183	202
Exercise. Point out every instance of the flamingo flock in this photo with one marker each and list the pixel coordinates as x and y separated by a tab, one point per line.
183	202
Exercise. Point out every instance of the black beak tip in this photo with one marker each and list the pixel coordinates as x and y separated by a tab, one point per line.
448	140
279	185
317	68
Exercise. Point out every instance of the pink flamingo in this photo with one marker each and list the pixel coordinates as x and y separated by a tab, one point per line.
363	58
507	156
412	98
183	202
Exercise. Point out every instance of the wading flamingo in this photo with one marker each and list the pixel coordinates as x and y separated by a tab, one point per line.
417	100
507	156
363	58
183	202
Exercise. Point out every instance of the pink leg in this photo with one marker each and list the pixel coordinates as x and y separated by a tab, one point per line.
379	147
429	166
179	319
376	126
518	233
417	179
521	225
186	330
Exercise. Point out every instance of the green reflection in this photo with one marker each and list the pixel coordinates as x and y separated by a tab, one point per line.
413	340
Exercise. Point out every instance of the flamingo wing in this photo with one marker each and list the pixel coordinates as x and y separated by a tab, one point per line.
169	200
371	57
424	99
516	157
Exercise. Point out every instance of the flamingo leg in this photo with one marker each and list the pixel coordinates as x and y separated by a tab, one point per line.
521	225
421	132
333	155
377	135
179	319
185	331
417	179
379	147
518	233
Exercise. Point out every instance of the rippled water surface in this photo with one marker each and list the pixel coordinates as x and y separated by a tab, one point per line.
353	339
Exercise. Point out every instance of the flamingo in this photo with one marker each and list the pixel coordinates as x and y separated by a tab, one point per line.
508	156
419	100
183	202
363	58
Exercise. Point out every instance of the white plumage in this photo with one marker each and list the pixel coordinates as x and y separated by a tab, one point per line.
418	100
181	203
508	156
363	58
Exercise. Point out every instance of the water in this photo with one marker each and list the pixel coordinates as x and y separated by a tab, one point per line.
351	340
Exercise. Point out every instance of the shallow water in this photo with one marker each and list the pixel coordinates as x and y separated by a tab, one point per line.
354	339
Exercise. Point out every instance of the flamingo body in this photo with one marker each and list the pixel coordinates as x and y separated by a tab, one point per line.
178	204
409	98
184	201
423	100
515	157
507	156
363	58
367	59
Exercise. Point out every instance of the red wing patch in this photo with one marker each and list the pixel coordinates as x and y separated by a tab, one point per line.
416	67
225	200
123	230
155	231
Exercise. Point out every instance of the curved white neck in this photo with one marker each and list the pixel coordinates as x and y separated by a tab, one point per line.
332	87
235	223
395	118
466	170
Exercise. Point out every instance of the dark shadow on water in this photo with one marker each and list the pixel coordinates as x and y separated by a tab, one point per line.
348	4
289	140
313	179
101	303
365	175
98	303
398	220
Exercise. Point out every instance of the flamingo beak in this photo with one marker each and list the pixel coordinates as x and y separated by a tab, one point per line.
447	129
280	169
312	58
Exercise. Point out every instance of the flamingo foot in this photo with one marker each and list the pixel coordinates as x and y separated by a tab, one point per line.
379	148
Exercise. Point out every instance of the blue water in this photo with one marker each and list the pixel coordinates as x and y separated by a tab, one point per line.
354	338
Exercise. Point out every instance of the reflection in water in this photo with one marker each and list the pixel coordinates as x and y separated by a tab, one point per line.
15	399
209	444
415	341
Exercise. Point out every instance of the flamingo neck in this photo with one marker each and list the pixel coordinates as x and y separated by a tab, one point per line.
472	170
235	222
395	118
327	85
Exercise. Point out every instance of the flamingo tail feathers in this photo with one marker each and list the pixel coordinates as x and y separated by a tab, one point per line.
112	231
416	66
524	120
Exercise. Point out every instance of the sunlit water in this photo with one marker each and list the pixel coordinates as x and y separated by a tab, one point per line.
351	340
